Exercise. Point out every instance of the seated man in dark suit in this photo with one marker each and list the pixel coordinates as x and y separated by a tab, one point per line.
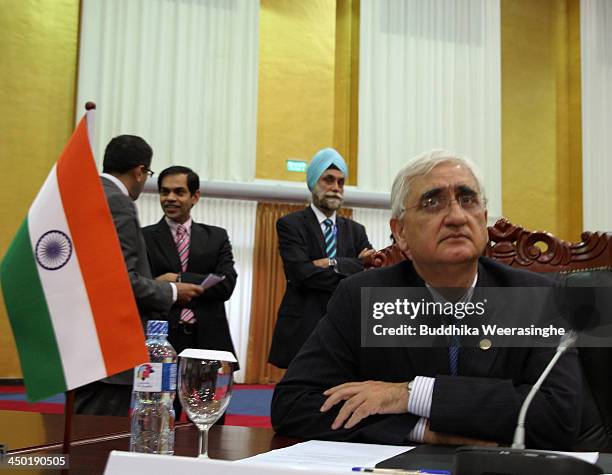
319	248
183	250
338	389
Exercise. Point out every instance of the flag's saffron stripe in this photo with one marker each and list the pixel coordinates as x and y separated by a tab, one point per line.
62	283
99	253
30	319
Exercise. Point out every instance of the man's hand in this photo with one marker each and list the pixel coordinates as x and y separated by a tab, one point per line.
440	438
167	277
366	254
323	262
364	399
185	292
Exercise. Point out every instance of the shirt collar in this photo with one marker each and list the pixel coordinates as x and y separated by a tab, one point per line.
321	215
467	297
117	182
173	225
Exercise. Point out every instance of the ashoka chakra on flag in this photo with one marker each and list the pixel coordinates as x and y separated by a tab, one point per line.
53	250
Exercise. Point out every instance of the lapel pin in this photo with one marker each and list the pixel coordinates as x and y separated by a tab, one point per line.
485	344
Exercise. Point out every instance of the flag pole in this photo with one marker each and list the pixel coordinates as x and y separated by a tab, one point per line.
67	426
69	407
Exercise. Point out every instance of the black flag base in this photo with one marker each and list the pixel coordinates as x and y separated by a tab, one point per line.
507	461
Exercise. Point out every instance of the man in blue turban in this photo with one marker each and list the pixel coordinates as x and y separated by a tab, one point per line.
319	248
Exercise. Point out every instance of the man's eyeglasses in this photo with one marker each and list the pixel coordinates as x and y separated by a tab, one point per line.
438	201
148	171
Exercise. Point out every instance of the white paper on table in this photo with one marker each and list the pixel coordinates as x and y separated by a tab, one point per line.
325	455
208	355
129	463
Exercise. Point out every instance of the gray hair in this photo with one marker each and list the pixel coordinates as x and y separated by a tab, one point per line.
421	165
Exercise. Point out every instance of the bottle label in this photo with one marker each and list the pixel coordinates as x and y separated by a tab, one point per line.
155	377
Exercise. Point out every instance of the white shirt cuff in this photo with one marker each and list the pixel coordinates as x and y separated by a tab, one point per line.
419	402
417	434
174	291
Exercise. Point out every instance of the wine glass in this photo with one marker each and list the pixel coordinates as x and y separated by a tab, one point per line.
205	389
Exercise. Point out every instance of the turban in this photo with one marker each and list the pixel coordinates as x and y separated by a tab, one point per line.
322	160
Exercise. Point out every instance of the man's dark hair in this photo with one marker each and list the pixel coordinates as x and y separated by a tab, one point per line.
193	180
125	152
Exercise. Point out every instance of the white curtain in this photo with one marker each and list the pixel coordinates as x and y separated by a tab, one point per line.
429	77
376	222
180	73
238	218
596	54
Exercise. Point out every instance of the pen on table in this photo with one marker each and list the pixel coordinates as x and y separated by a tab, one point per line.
400	471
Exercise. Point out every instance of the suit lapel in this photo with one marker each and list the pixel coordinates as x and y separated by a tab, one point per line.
473	361
197	245
341	236
315	228
167	245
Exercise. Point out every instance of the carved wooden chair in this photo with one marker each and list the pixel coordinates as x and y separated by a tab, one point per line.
533	250
585	263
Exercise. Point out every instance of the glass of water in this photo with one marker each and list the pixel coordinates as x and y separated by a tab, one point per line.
204	389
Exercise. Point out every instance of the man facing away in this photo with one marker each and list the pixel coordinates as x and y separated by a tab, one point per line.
338	389
318	249
126	167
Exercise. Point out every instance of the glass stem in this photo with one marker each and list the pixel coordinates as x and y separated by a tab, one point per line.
203	443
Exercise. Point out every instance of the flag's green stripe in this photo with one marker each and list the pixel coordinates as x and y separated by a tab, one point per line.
29	316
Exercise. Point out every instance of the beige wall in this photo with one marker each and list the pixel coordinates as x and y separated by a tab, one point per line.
541	129
296	83
38	51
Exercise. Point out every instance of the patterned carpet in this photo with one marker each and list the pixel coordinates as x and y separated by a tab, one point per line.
249	406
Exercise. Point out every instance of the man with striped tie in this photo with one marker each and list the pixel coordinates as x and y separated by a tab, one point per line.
181	250
319	248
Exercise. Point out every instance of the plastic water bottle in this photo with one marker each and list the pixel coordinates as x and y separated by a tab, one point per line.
152	422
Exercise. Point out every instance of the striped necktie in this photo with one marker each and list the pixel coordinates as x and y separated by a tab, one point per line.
182	247
453	354
330	238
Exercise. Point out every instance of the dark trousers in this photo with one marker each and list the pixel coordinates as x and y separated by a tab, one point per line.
103	399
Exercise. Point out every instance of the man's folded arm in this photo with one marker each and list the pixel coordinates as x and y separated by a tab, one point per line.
298	265
348	266
351	265
487	408
299	396
327	360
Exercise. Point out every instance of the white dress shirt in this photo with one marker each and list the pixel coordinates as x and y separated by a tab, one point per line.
321	217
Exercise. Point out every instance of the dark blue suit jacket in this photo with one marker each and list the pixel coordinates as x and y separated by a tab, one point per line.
483	401
309	287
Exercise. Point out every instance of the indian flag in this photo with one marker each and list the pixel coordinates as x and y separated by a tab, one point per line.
65	283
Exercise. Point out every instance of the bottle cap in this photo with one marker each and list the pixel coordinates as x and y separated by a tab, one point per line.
157	327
